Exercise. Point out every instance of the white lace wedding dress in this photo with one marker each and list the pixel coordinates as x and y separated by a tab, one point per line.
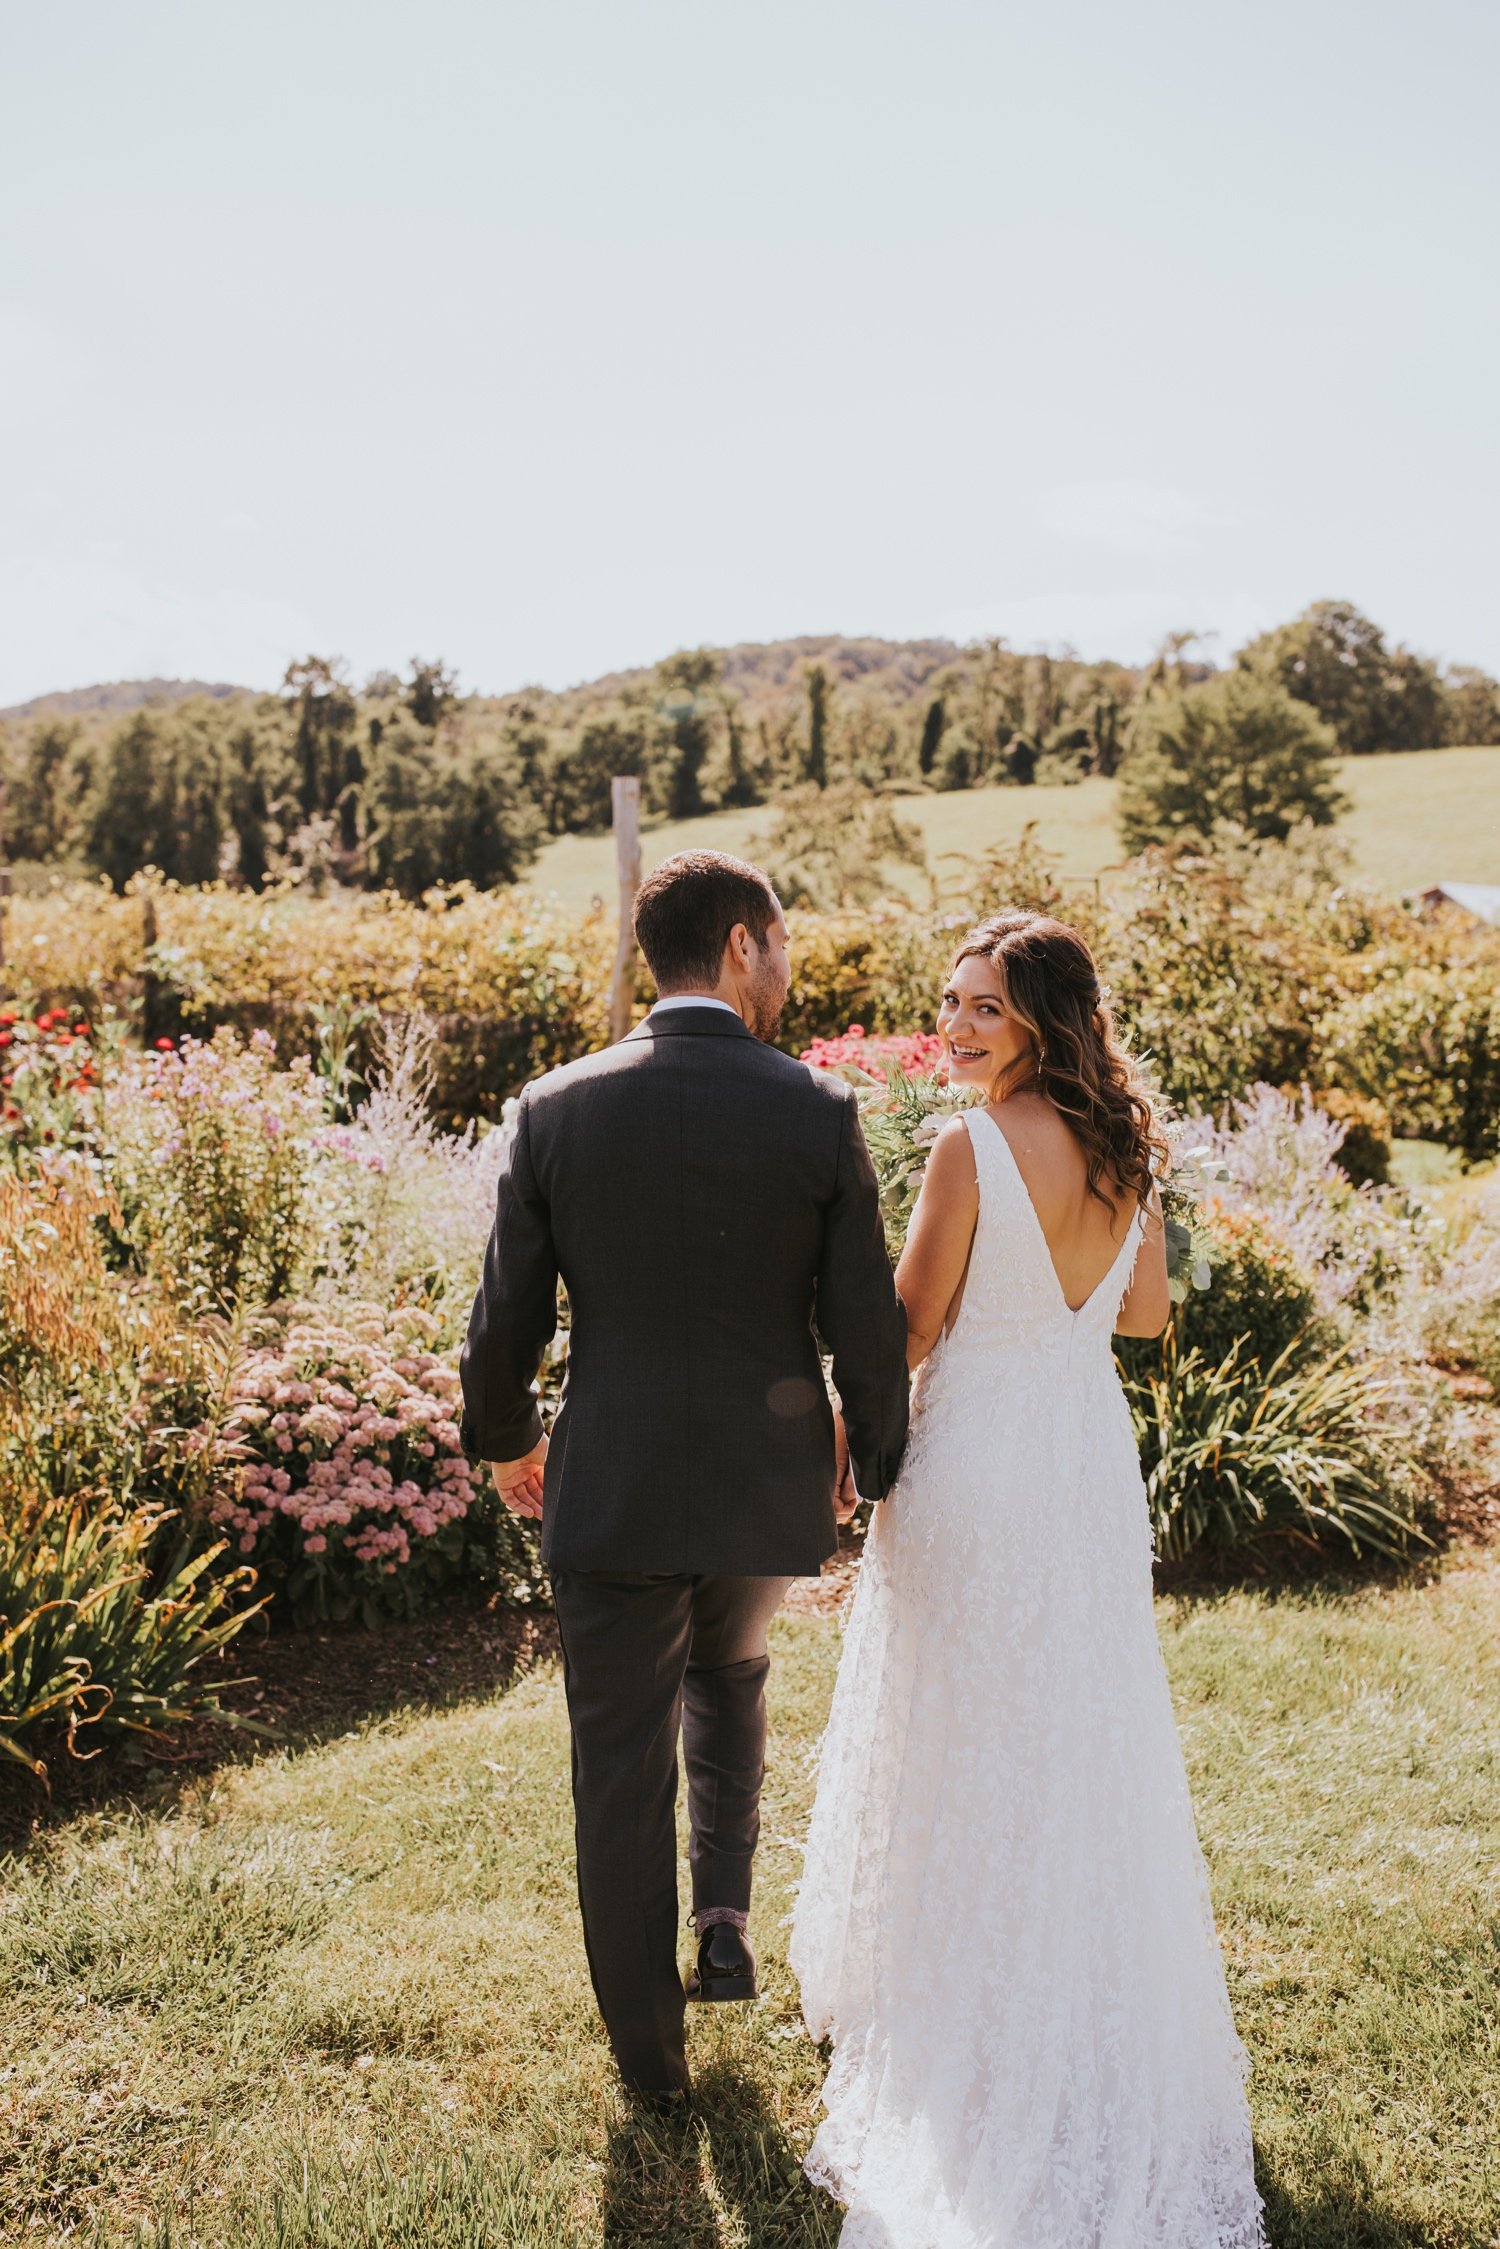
1004	1923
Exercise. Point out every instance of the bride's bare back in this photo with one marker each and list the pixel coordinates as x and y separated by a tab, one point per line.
984	1042
1083	1234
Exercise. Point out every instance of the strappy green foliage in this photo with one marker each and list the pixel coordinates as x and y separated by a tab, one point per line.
1234	1455
97	1638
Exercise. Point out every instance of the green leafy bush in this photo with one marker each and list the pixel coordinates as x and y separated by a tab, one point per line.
1206	982
1252	963
833	847
1260	1301
1423	1038
512	983
1236	1455
1236	747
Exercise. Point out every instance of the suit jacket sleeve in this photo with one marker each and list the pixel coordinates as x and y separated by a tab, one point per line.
515	1313
860	1317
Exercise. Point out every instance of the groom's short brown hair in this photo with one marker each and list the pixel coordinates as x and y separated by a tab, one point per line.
685	909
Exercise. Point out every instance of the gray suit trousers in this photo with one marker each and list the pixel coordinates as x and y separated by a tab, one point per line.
646	1657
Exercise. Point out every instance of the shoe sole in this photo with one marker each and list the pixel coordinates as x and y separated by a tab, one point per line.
723	1987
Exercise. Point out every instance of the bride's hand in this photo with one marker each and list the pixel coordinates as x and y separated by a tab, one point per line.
845	1495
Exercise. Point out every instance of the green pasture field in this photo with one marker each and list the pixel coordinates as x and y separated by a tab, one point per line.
335	1997
1430	816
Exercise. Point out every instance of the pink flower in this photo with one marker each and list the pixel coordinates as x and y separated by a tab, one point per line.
315	1545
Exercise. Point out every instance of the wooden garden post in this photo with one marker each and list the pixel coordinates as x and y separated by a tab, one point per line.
625	806
150	1004
4	872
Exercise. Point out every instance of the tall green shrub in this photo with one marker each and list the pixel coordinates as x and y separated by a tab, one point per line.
1336	661
1236	748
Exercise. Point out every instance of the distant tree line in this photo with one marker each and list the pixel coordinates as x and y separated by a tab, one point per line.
404	783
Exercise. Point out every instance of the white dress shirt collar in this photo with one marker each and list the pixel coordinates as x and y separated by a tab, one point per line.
694	999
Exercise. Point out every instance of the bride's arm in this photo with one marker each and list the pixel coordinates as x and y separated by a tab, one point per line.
1148	1300
930	1275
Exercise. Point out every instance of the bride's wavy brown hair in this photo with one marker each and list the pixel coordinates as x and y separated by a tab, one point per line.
1051	987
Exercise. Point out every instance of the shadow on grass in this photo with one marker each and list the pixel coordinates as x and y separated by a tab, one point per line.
297	1690
1336	2213
722	2169
1283	1569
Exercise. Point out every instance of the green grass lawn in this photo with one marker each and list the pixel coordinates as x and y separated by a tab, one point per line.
336	1996
1433	816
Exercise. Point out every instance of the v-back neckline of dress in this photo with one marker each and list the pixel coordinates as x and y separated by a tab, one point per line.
1074	1311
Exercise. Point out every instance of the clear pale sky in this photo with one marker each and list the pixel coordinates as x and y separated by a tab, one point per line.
548	338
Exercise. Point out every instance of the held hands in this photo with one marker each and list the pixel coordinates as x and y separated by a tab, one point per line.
845	1497
519	1482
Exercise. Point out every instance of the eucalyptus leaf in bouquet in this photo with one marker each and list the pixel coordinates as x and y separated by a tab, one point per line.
902	1117
1193	1171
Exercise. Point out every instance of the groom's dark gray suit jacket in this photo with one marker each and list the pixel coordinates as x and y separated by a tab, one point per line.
704	1199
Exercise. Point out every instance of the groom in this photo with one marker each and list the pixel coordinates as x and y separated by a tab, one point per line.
704	1199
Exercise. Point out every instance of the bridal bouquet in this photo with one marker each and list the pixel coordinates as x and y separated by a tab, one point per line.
902	1116
1190	1175
904	1105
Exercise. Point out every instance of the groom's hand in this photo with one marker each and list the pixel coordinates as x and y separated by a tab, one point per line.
519	1482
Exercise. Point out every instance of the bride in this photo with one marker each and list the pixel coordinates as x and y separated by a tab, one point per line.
1004	1924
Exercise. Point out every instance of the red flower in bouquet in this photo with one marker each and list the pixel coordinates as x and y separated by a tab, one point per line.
914	1053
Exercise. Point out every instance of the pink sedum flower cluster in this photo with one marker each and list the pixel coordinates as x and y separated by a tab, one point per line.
350	1447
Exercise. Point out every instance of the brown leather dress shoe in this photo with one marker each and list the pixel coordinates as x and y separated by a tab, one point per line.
726	1965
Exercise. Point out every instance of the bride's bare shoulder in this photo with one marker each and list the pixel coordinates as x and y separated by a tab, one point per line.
950	1163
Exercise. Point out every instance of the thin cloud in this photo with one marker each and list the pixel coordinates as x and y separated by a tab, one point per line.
1129	515
1126	625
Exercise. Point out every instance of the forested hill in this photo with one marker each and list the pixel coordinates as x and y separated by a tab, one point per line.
408	780
757	669
118	695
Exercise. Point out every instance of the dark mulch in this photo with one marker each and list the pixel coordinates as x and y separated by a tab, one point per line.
304	1687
